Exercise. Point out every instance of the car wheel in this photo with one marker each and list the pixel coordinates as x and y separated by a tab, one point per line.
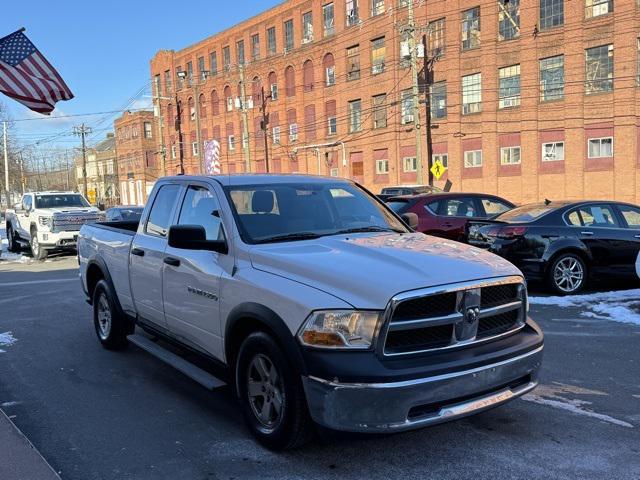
11	240
109	322
568	274
37	251
271	394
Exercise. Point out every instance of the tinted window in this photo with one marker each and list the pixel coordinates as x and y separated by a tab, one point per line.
60	201
459	207
162	210
527	213
398	206
631	215
433	207
597	216
131	214
493	207
200	207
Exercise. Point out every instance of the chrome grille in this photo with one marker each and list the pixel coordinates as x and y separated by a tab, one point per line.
72	223
454	315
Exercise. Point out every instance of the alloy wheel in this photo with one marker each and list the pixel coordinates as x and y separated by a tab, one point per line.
568	274
265	391
35	246
104	317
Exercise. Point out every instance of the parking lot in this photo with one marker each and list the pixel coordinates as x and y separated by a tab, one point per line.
95	414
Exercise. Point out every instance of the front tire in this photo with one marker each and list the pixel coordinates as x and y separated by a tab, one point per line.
271	394
11	240
37	251
567	275
108	321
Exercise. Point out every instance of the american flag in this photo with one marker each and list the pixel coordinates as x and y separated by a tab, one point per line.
26	76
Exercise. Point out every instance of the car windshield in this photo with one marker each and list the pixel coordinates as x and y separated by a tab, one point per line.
526	213
60	201
131	214
306	210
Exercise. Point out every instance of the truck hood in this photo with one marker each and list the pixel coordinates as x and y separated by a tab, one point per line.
366	270
68	210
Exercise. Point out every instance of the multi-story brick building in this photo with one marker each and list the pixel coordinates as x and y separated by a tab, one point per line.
138	155
102	174
530	99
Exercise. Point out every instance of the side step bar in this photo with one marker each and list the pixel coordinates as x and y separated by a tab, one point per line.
189	369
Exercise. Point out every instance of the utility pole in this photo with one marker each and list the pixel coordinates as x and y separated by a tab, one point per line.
196	99
178	127
22	179
411	28
82	131
264	125
245	121
428	76
6	163
160	119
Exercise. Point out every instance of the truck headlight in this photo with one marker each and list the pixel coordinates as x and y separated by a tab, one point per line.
339	329
45	221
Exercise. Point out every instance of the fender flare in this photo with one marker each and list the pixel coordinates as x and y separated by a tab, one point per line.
273	323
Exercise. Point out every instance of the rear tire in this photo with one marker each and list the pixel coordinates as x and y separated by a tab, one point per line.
11	240
37	251
271	394
567	275
109	322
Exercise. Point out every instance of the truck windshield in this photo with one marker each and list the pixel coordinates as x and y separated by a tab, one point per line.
60	201
298	211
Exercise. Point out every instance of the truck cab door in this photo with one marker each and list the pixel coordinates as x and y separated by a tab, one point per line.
23	217
192	278
146	258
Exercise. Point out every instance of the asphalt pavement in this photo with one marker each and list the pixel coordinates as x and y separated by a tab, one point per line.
95	414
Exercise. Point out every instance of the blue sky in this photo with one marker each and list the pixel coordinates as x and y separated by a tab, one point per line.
102	49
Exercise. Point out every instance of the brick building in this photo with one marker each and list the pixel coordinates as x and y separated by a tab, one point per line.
102	175
137	154
530	99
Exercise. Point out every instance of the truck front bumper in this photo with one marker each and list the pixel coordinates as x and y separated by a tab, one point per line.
61	239
410	404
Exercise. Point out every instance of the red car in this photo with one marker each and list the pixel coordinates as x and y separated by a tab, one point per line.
446	214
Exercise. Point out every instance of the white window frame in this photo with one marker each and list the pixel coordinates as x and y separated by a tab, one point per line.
476	161
173	152
275	135
599	140
194	149
274	91
597	8
229	104
411	163
507	73
382	166
468	106
332	125
330	75
231	142
443	157
510	153
293	132
554	147
407	107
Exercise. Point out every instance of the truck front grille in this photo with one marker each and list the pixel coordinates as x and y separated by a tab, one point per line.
454	315
72	223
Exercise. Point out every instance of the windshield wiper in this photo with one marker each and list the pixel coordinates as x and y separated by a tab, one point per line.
290	237
370	228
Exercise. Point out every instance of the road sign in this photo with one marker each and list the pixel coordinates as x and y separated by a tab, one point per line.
438	169
91	194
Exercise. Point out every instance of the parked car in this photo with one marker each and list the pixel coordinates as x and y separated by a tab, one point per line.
447	214
566	243
315	301
389	192
123	214
47	221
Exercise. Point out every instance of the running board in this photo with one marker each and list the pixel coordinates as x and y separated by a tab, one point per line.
189	369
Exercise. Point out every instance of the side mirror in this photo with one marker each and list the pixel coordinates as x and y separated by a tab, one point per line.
411	219
194	237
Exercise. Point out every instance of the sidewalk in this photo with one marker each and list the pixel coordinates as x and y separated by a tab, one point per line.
19	460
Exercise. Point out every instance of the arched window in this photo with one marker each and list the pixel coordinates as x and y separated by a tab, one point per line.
203	106
192	109
273	85
256	90
289	81
329	66
215	103
228	98
307	75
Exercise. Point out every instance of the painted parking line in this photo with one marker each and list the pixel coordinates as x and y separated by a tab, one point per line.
36	282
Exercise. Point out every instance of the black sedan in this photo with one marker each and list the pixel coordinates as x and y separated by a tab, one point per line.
565	243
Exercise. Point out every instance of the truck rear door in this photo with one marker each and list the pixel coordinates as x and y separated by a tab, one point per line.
147	254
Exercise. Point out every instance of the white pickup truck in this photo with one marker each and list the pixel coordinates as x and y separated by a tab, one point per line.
48	221
315	302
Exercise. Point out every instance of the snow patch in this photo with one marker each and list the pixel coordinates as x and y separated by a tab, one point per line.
619	306
6	340
9	257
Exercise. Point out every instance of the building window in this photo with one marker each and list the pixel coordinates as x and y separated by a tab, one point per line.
229	104
275	135
508	19
355	116
167	81
552	151
213	63
194	148
231	141
240	52
595	8
289	81
174	152
436	38
245	140
274	92
599	69
255	47
288	36
148	132
601	147
552	78
332	121
201	68
328	20
352	12
377	55
308	76
382	166
157	85
353	63
409	164
226	58
377	7
330	74
509	93
473	158
190	73
472	93
551	13
271	41
471	28
293	132
380	111
510	156
307	27
438	94
407	107
442	157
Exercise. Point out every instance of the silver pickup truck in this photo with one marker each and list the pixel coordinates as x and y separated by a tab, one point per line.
314	301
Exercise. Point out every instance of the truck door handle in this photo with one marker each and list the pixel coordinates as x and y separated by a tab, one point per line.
174	262
138	252
586	233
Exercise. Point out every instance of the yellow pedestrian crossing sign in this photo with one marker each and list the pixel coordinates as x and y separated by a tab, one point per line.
438	169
